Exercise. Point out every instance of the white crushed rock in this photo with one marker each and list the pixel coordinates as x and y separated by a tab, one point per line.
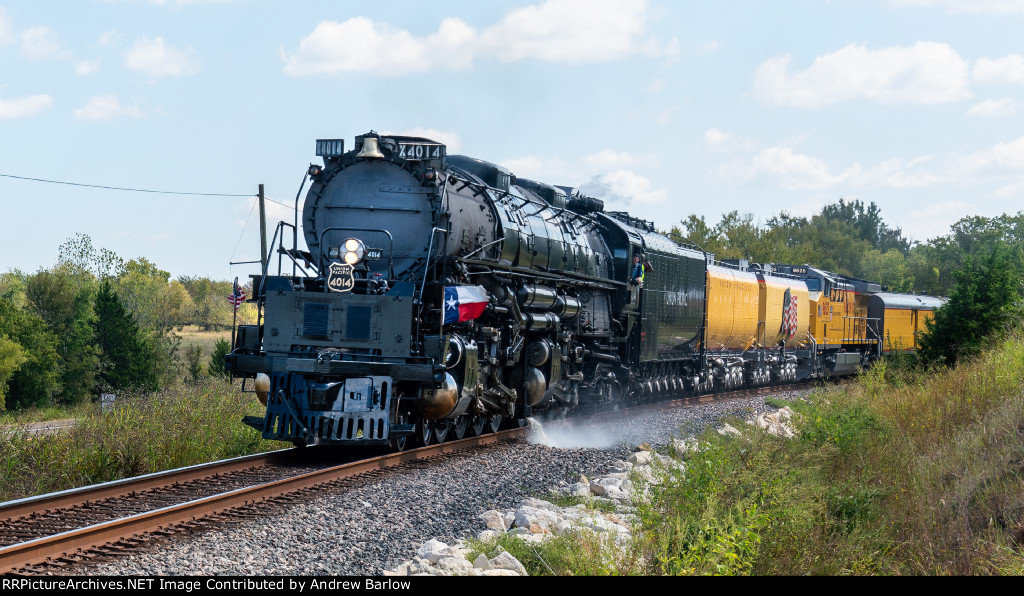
537	520
779	424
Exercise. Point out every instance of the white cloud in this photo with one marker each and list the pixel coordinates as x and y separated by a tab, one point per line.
169	2
716	139
107	38
994	7
360	45
710	46
994	107
925	73
158	59
549	170
572	31
24	106
898	173
723	142
6	28
608	159
810	206
1001	157
622	188
564	31
87	67
106	107
451	140
933	220
782	167
601	170
1010	191
656	85
40	43
1009	69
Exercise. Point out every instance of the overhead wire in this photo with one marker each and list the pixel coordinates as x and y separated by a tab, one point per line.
163	192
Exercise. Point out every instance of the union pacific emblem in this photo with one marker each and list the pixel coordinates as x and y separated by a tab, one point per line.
340	278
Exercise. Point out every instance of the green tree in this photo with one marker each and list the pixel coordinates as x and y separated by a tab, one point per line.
866	224
127	353
80	254
175	306
37	380
12	356
216	365
12	287
139	286
984	302
889	269
696	230
65	301
193	362
210	300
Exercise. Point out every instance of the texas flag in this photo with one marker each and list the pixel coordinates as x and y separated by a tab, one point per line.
464	303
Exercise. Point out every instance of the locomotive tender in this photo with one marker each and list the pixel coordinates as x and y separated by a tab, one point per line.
441	296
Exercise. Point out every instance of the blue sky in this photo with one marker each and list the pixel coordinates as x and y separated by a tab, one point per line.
662	108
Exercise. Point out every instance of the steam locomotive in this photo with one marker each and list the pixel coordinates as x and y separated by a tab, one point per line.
441	296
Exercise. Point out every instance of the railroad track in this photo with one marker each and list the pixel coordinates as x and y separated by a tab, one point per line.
49	532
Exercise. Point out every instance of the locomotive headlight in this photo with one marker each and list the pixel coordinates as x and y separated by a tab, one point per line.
352	251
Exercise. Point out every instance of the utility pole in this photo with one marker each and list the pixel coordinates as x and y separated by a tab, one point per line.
263	232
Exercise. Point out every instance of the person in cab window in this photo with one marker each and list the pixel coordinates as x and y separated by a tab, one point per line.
637	276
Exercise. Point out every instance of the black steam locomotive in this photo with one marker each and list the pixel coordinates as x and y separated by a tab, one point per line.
441	296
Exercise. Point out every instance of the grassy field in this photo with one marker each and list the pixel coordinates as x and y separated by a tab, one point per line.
193	335
898	473
196	423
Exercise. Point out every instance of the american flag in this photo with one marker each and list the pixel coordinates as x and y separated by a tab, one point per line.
237	296
789	315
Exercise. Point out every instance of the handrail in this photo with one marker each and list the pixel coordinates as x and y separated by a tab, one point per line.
391	241
426	270
426	264
282	250
266	265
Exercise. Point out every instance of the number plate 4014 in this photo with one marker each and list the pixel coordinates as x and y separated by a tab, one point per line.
415	151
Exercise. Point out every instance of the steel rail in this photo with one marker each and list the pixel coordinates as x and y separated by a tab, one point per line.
19	508
70	543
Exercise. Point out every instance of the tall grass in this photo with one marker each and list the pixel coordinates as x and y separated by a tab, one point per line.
192	424
898	472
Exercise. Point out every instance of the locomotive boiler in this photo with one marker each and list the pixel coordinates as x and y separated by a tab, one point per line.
440	295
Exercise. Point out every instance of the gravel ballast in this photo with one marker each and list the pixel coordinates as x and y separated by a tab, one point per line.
380	523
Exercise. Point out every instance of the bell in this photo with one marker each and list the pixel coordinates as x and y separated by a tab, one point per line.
370	149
